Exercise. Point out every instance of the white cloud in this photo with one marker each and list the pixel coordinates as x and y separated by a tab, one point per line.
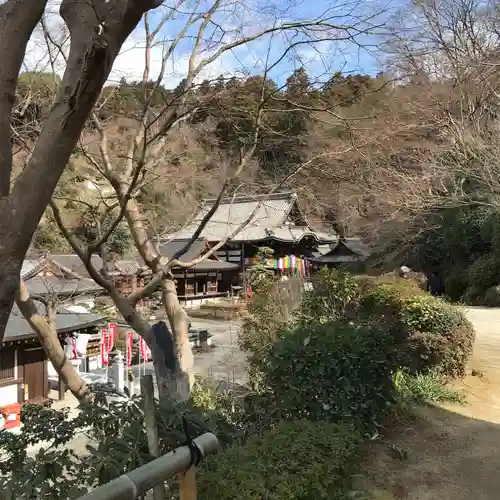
129	64
246	59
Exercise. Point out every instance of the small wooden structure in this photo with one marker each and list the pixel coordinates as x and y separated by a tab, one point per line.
23	363
49	275
205	280
346	250
125	274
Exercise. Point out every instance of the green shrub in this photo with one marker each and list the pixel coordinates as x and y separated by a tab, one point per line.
482	274
297	461
490	298
427	388
456	282
428	332
462	244
242	412
271	310
334	296
386	291
119	443
335	372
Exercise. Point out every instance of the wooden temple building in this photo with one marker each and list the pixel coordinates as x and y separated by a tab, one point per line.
251	222
208	279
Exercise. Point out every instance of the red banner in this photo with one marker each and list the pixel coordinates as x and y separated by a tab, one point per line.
111	336
104	347
144	349
129	349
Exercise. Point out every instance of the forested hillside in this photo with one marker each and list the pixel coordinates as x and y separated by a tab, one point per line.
350	130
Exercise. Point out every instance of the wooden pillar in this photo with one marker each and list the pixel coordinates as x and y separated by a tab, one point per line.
187	484
147	390
243	264
62	390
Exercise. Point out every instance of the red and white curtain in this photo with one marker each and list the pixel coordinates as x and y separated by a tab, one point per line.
108	339
144	350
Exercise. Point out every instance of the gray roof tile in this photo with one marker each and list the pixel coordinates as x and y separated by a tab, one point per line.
18	328
60	286
170	248
74	263
264	217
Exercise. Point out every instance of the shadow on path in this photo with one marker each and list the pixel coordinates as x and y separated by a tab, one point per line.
448	456
453	453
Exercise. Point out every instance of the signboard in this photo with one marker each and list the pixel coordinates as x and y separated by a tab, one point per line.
70	348
81	342
93	363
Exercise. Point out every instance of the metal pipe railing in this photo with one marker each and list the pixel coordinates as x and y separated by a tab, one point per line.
139	481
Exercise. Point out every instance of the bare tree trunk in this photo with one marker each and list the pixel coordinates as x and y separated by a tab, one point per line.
90	60
179	322
47	336
164	376
183	379
18	19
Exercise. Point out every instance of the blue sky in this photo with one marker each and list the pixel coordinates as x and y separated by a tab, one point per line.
247	17
238	18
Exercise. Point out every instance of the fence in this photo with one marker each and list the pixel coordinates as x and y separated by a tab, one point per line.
154	474
138	482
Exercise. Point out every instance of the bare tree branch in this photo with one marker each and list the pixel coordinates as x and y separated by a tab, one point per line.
47	335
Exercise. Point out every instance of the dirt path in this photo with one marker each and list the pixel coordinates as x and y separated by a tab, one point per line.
452	452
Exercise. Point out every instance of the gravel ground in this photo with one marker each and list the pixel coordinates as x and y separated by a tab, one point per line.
453	451
222	363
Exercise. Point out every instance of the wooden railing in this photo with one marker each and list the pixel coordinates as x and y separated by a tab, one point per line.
152	476
138	482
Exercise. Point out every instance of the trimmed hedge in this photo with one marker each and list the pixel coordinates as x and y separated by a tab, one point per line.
430	334
335	372
298	460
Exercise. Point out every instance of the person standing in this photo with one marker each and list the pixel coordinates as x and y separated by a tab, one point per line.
435	285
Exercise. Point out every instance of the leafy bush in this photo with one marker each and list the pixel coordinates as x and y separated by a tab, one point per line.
425	389
118	444
385	290
334	372
249	413
297	461
333	296
271	310
482	274
429	333
491	297
462	244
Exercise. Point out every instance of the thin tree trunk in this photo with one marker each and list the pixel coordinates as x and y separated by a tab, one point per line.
91	56
50	343
183	379
18	19
164	377
179	323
